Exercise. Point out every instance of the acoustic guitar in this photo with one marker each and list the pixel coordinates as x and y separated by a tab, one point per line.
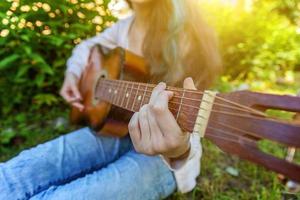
112	88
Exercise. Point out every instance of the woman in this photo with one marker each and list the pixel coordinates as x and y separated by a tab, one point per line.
157	156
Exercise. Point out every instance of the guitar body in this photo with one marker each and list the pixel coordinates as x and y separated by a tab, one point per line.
111	64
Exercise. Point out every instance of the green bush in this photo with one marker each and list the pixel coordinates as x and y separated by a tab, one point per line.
259	47
36	39
288	8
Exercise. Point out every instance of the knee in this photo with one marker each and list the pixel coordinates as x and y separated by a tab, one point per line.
151	174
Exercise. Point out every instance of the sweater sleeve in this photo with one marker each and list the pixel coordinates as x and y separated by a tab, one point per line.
186	171
79	57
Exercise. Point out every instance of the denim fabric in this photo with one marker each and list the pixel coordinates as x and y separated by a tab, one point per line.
81	165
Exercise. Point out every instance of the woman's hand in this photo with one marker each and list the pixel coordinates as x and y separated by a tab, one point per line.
69	91
154	130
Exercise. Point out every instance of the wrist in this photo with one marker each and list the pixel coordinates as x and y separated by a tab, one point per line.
183	155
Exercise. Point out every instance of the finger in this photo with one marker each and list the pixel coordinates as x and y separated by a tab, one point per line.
188	83
144	124
76	92
165	119
134	131
161	102
78	105
67	95
155	92
70	98
158	140
154	128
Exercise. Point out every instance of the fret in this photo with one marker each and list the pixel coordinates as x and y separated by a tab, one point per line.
104	89
142	102
124	94
117	92
180	105
140	96
132	107
133	96
111	89
121	93
118	88
114	92
109	92
98	91
128	95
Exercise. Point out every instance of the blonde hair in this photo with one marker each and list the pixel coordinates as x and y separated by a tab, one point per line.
178	43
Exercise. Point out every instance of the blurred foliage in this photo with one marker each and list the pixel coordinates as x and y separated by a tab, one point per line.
36	39
288	8
260	46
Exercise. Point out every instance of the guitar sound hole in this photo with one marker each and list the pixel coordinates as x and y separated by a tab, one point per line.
103	74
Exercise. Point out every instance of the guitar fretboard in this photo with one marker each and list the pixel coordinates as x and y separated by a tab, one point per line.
133	95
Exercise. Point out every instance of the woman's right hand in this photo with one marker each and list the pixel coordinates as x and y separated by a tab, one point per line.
70	92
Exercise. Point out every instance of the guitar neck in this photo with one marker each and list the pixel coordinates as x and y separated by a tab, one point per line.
133	95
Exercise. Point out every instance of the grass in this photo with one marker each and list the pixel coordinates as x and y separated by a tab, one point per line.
252	182
216	181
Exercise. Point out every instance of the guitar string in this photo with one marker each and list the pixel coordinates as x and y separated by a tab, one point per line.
240	141
191	91
193	123
237	136
222	112
215	103
220	137
223	138
237	129
240	115
237	141
233	114
113	82
223	105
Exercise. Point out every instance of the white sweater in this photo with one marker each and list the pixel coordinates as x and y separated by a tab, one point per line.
185	171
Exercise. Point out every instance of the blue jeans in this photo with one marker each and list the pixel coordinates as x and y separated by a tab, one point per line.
81	165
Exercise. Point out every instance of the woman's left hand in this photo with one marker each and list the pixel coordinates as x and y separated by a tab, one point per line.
154	130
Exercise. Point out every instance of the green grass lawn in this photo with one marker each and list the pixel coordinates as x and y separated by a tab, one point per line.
222	176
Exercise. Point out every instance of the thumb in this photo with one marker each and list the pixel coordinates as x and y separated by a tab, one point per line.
188	83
